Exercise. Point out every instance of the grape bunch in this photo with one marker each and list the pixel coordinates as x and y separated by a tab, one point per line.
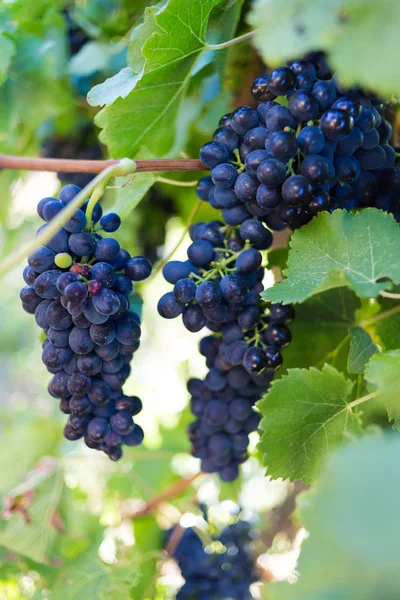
211	575
78	288
241	369
309	146
221	280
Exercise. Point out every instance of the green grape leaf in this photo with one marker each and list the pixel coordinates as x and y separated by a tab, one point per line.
87	576
320	330
305	414
37	540
121	84
359	250
351	515
382	372
26	444
362	348
340	27
147	116
388	329
117	86
128	197
92	57
7	51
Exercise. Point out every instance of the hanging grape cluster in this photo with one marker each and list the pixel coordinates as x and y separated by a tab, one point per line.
309	146
78	288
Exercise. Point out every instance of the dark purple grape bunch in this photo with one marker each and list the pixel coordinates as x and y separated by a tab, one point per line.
327	148
221	279
215	575
241	367
78	288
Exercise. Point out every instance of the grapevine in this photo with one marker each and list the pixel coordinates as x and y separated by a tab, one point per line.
248	263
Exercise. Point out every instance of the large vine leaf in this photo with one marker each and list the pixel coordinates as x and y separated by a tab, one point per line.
340	27
148	114
306	413
351	515
33	531
320	330
388	329
26	444
382	372
362	347
359	250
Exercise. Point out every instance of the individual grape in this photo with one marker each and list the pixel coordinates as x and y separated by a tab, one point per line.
82	244
224	175
255	232
348	105
278	117
227	137
42	259
336	124
246	186
89	364
235	215
185	290
311	140
296	190
92	314
260	90
324	93
347	168
57	317
104	273
59	338
99	393
255	138
320	201
107	250
213	154
138	268
233	288
277	335
106	302
303	105
281	81
208	295
77	223
283	145
68	193
78	385
371	140
200	253
110	222
271	172
80	341
134	438
316	169
248	261
193	318
267	197
51	209
243	119
168	306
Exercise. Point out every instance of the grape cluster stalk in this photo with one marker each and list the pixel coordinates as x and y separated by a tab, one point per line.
78	288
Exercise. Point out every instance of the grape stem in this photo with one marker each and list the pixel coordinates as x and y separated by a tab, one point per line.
66	165
120	168
152	504
232	42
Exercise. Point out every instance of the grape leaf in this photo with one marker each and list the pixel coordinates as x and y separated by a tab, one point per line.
382	372
388	329
340	27
320	328
148	114
362	348
351	515
359	250
26	444
7	50
87	576
36	540
305	414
